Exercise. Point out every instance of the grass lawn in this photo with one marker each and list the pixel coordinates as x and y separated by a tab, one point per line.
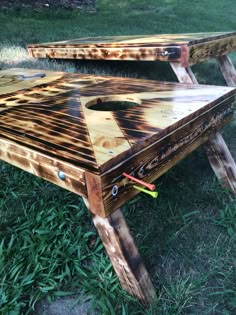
48	245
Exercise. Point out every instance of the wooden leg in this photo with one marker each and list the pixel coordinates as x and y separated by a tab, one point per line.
184	75
124	256
216	149
227	69
221	161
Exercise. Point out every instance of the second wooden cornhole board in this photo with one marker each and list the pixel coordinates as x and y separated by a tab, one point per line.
180	50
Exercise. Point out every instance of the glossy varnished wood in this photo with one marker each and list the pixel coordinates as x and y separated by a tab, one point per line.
187	49
47	126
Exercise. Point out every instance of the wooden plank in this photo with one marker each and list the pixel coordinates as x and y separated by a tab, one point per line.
124	256
227	69
222	163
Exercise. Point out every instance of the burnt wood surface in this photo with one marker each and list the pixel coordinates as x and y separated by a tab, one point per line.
187	49
47	127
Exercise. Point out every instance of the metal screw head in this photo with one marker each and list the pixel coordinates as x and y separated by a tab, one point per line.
114	191
165	53
61	175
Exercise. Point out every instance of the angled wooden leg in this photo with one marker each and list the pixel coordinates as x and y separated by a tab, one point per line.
124	256
216	149
184	75
221	160
227	69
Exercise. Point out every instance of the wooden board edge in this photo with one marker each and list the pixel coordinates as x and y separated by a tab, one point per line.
51	169
159	53
184	60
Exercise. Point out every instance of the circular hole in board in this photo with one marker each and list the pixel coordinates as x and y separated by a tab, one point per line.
113	103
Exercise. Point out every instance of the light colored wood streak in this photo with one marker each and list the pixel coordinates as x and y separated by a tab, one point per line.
43	166
227	69
124	256
106	137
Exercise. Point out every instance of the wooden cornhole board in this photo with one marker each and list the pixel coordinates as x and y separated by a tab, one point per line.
180	50
50	128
